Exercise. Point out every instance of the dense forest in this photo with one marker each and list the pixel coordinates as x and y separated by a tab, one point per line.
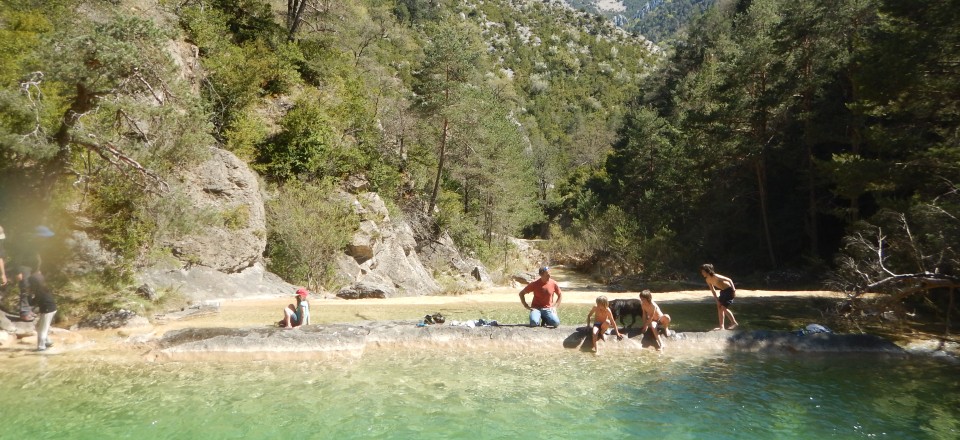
787	133
795	141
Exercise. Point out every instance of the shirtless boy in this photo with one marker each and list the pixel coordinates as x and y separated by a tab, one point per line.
653	318
602	320
727	292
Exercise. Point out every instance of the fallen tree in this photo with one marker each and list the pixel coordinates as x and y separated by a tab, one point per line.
905	258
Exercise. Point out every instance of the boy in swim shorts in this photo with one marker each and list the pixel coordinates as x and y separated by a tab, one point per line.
727	293
653	318
602	320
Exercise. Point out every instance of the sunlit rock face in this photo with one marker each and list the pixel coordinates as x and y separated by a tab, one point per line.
228	189
381	260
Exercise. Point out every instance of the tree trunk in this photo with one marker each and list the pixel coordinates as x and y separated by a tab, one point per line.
442	156
762	187
813	232
294	16
949	311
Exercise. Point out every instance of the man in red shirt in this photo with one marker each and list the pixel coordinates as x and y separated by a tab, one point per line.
543	306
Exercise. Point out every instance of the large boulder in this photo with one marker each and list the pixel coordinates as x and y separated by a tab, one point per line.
115	319
442	256
367	289
226	187
88	255
203	283
381	260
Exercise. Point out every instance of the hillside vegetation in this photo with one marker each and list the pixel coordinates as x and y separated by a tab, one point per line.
465	116
793	141
661	21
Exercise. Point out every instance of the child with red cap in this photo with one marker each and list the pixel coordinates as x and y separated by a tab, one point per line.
295	316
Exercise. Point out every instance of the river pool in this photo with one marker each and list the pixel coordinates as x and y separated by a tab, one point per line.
439	394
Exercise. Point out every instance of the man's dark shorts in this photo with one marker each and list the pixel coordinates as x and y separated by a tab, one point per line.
726	296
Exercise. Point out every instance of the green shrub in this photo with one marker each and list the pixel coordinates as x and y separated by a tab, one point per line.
308	226
237	217
115	211
308	147
244	133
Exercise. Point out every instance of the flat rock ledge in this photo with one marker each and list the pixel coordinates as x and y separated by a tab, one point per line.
351	340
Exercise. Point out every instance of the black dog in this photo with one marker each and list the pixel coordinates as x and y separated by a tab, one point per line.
622	308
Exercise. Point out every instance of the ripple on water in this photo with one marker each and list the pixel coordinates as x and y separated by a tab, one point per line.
437	393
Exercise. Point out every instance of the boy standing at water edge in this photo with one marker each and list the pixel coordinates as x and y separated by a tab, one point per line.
43	298
653	318
727	293
603	319
543	307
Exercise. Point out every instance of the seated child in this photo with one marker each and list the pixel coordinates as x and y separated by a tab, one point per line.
602	320
653	318
295	316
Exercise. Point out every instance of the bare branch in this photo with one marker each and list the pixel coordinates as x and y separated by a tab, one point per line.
880	258
30	86
122	163
149	87
928	279
917	255
135	126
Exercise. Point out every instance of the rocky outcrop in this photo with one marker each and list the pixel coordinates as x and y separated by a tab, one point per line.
115	319
89	255
224	186
223	259
381	260
202	283
353	339
442	255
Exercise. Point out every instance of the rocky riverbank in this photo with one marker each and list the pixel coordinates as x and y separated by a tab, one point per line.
352	340
239	329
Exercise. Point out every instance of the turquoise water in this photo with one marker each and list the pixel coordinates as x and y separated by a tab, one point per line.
434	394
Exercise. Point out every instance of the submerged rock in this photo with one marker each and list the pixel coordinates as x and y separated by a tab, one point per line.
115	319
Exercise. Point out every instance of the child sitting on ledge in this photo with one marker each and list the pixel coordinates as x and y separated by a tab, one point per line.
295	316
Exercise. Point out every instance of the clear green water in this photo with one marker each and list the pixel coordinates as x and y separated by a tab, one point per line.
434	394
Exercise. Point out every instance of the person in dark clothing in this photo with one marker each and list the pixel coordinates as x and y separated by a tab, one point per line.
26	257
43	298
25	307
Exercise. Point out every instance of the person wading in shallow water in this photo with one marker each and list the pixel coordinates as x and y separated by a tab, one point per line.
543	309
727	293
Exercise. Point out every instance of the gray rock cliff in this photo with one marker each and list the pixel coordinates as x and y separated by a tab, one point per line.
223	259
225	186
381	260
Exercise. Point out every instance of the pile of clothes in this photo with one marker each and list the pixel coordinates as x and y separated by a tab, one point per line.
813	328
478	323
